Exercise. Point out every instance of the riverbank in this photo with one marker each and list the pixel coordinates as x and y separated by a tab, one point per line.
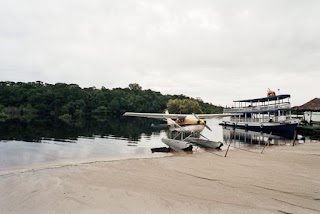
284	179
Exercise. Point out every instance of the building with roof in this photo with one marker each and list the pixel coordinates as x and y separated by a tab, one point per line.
311	110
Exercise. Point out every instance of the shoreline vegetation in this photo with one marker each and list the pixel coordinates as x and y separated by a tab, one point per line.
72	105
36	110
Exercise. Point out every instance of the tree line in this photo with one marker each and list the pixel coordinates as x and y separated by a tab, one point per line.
73	105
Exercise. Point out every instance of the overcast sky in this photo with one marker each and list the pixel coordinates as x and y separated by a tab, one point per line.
219	51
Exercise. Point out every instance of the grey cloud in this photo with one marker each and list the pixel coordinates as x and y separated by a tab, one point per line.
217	50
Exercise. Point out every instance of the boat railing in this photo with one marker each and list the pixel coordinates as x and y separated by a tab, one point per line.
257	108
251	120
276	119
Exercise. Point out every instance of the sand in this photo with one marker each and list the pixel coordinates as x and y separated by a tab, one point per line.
284	179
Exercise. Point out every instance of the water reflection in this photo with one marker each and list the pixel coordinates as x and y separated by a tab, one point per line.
247	138
113	127
114	138
24	145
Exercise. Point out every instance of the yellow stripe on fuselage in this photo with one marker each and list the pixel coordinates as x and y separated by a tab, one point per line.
191	122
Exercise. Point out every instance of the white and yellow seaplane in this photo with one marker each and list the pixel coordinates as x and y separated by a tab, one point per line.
181	122
186	126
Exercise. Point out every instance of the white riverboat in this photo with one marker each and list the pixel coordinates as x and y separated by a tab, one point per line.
266	114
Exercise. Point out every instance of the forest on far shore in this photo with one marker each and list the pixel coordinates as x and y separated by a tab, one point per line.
73	105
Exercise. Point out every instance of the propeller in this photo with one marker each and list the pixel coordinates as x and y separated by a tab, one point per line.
205	124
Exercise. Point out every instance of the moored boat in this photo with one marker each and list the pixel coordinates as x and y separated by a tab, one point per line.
266	114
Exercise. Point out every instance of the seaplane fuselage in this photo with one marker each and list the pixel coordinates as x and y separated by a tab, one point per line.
189	128
188	124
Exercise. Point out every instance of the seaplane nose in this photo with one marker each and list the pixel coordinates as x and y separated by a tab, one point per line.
202	122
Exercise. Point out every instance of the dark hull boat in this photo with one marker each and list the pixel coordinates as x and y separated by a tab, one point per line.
271	114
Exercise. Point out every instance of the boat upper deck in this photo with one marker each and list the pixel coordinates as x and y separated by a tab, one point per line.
260	105
264	99
258	109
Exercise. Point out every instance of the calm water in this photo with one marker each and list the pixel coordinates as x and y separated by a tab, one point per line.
24	146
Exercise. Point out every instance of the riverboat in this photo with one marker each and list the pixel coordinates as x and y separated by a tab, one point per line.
266	114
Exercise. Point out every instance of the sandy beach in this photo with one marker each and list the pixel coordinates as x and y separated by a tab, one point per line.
284	179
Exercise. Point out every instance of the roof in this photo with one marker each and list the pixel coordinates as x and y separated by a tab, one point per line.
312	105
264	99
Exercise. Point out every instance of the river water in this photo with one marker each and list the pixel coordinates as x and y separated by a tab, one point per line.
128	139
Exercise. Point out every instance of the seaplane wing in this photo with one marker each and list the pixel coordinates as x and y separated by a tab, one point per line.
155	115
175	116
181	122
210	116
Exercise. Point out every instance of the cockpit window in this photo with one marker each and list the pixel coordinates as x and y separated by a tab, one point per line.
180	120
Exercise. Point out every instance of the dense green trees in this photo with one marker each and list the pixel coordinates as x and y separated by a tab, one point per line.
184	106
68	103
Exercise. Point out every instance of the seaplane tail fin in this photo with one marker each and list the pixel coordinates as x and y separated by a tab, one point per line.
172	123
169	123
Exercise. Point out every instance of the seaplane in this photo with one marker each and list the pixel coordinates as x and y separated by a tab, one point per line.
181	122
193	124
